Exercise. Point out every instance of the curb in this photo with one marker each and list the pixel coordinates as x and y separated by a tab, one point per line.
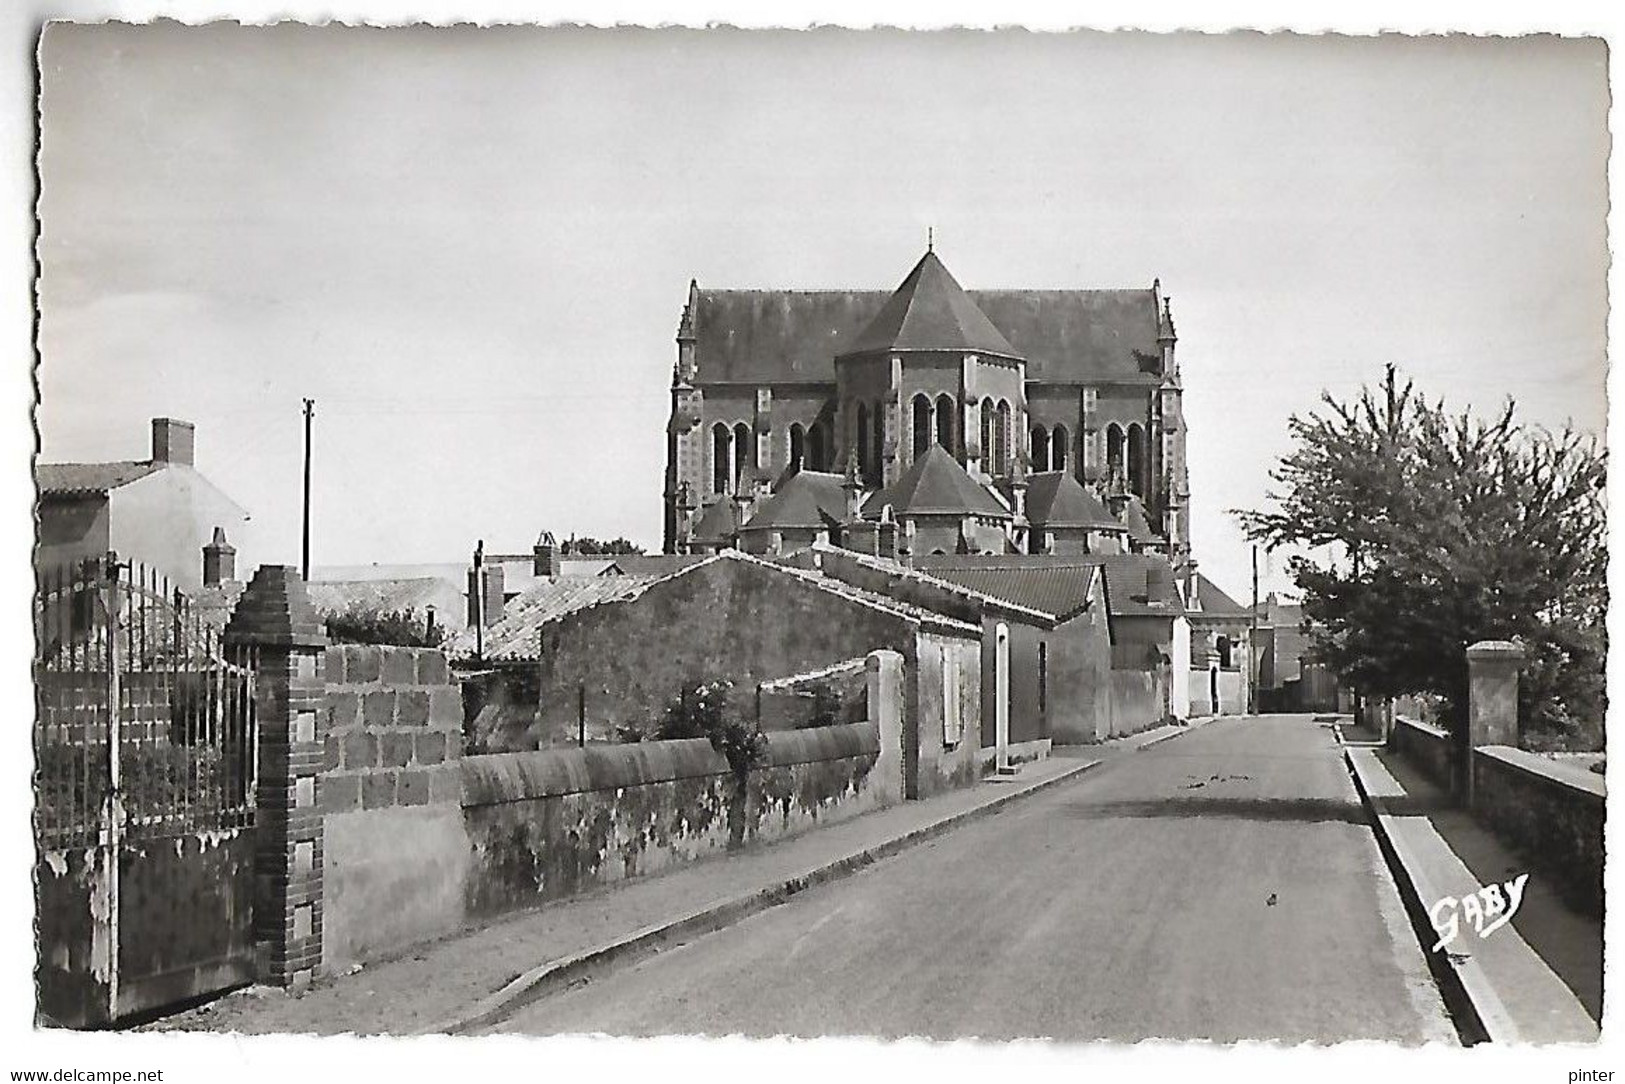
566	971
1458	998
1180	733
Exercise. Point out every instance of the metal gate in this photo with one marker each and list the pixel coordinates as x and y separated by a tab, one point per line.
144	742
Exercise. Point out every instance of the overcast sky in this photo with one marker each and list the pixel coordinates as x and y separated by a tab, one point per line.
471	247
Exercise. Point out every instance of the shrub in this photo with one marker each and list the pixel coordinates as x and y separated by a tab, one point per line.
402	628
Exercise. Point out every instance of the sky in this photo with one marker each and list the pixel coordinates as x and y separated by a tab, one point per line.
471	247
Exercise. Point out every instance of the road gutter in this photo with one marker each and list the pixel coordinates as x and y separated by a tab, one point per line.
592	963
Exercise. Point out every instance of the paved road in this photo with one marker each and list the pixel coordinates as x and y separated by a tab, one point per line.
1132	903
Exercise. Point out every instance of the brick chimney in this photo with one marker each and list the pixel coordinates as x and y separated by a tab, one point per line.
219	560
546	555
172	441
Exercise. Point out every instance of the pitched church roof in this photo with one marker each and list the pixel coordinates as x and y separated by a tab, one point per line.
1057	499
930	311
719	522
794	336
935	484
1134	518
805	499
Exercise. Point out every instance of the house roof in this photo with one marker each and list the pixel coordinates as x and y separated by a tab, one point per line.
388	596
1057	499
793	336
1062	591
922	588
935	484
1211	600
513	638
650	564
90	479
806	499
1137	584
931	311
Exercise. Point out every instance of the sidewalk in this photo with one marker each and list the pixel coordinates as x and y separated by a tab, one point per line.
1537	979
485	970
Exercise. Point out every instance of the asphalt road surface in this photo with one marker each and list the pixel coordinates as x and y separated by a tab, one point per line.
1223	885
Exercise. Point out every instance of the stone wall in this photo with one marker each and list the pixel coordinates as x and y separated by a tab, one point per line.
1137	700
1551	813
1427	747
793	703
739	620
548	824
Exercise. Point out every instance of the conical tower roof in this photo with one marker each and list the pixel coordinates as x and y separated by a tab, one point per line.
931	311
1057	499
936	485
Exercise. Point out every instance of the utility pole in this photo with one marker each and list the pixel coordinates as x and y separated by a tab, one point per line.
310	412
1252	643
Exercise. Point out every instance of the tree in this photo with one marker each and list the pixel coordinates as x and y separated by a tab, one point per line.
1438	529
592	547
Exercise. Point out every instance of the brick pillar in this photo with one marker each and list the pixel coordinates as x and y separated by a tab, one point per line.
1492	699
275	615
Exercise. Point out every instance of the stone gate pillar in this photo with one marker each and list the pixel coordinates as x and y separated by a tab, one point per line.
884	676
275	615
1492	699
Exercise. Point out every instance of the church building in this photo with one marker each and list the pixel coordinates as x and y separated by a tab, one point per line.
927	420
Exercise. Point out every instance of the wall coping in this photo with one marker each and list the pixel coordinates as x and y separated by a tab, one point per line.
495	778
1580	782
849	666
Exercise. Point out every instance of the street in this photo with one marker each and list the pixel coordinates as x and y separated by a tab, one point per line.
1221	886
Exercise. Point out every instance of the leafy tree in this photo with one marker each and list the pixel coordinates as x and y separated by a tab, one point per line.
1437	529
592	547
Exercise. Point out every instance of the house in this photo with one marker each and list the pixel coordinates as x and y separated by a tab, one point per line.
159	512
1290	678
1017	638
1132	689
1221	656
597	659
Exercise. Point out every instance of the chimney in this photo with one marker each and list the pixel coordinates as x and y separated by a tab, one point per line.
545	555
172	441
219	560
493	595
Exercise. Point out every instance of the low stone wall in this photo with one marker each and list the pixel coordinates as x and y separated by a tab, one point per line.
1553	814
547	824
520	829
1427	747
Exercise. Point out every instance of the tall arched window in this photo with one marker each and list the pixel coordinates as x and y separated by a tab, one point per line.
1114	451
863	439
987	435
1137	462
923	427
798	445
1001	439
742	450
878	419
1058	448
818	445
722	470
945	421
1038	449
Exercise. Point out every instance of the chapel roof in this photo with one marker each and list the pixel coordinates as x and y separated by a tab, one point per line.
793	336
931	311
803	500
935	484
1057	499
